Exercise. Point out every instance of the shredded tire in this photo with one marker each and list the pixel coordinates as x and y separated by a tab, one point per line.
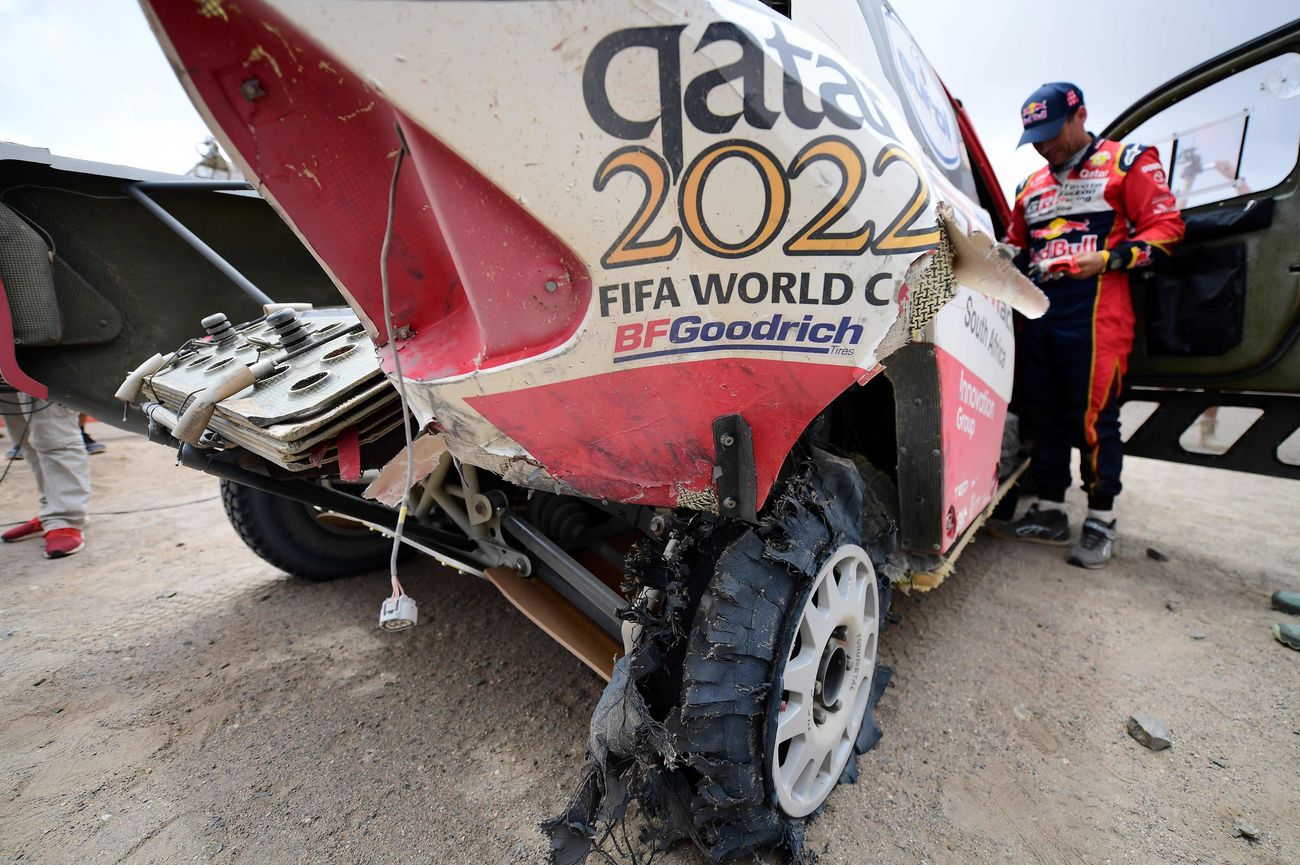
283	533
679	739
734	653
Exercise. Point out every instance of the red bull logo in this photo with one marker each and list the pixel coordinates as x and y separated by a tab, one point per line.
1057	228
1059	248
1099	159
1033	112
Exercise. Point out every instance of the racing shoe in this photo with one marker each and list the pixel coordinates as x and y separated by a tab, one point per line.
1287	634
1095	544
1039	525
23	531
1287	602
60	543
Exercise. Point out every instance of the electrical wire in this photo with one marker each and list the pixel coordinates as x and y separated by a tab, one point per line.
21	411
49	238
398	591
10	189
22	440
135	510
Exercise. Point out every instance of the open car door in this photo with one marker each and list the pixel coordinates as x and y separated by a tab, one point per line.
1216	353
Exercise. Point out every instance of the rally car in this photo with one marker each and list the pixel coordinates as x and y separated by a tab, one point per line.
683	326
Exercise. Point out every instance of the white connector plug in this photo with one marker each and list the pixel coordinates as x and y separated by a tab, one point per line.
398	613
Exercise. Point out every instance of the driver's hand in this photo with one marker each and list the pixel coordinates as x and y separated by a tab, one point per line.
1090	264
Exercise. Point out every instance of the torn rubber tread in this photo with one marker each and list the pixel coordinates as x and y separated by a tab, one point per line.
735	651
283	533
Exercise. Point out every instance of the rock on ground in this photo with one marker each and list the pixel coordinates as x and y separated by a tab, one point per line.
1149	731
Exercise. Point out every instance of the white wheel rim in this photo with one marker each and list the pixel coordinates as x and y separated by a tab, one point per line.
825	682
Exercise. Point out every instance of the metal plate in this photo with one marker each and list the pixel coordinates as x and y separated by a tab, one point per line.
311	398
346	362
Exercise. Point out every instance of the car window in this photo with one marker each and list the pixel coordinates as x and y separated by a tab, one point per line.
1237	136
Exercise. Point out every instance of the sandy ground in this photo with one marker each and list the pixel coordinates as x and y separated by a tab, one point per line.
167	697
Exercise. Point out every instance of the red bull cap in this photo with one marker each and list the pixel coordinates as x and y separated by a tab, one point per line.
1047	109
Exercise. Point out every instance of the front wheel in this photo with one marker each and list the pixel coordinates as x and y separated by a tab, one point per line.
782	673
829	666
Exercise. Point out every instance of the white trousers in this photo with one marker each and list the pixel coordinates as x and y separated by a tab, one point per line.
52	446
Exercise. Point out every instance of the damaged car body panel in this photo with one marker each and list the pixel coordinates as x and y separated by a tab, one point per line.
679	323
700	337
747	220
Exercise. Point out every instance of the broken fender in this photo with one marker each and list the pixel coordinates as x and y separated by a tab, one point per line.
977	264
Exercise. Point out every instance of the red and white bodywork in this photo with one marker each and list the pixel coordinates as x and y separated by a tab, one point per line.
615	221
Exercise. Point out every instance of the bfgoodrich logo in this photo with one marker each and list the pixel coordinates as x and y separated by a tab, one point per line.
691	334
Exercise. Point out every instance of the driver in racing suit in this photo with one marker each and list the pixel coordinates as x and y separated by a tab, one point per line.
1097	210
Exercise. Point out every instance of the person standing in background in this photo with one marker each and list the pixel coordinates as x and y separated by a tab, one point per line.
49	436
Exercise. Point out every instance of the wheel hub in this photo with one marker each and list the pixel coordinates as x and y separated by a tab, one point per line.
825	682
830	675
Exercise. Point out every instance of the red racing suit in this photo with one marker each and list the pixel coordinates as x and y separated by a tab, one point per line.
1070	363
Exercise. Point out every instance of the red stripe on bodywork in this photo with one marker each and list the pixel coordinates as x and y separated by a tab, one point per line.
638	435
468	267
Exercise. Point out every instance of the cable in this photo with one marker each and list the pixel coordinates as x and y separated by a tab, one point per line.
22	440
10	189
19	406
153	507
397	367
135	510
49	238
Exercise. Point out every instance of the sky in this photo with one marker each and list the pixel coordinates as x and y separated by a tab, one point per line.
86	79
992	55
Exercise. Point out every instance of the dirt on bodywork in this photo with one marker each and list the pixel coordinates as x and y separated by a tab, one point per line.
165	696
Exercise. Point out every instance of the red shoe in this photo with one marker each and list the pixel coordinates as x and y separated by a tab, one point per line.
62	542
29	529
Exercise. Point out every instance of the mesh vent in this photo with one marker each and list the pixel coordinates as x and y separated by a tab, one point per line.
28	282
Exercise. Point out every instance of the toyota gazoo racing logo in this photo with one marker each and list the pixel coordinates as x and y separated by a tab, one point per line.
781	80
1157	173
1058	227
1042	203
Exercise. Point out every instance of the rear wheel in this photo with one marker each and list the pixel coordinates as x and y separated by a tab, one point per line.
300	539
781	673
